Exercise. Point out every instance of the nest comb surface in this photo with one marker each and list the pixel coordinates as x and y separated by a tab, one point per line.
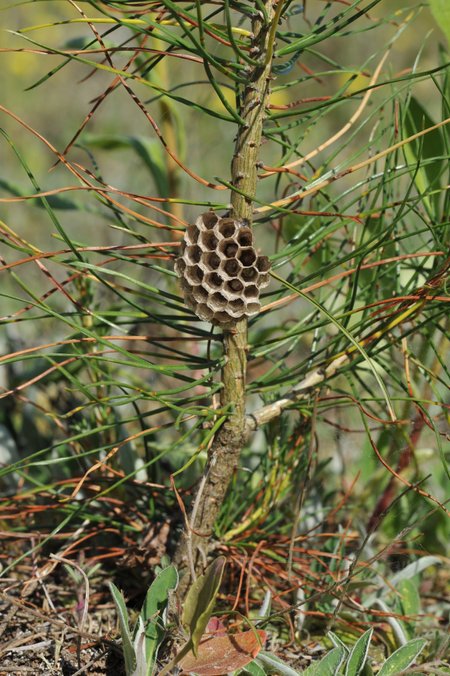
221	273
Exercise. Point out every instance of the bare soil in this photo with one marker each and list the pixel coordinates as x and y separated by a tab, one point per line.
35	638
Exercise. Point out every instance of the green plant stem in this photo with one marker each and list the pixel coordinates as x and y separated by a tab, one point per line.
225	450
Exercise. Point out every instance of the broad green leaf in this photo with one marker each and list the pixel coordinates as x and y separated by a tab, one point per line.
424	155
199	602
396	625
409	597
253	669
127	642
153	610
358	656
441	12
274	663
328	665
142	666
402	657
336	641
408	604
414	568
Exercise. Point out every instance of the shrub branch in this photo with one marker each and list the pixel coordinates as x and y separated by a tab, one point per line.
225	450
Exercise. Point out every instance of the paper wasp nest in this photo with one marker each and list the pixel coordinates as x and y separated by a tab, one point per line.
221	273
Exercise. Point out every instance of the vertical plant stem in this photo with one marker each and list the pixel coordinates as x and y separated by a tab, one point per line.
225	450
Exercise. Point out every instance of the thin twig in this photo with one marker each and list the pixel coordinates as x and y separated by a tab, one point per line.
348	125
301	391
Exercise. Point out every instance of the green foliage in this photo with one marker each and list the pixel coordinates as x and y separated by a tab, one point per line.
273	664
110	385
129	652
140	645
152	617
338	661
422	156
253	669
441	12
403	657
200	600
358	655
328	665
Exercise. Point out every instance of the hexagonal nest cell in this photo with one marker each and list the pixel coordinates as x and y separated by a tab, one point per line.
220	270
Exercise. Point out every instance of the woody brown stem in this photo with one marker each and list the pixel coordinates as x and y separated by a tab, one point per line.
225	450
